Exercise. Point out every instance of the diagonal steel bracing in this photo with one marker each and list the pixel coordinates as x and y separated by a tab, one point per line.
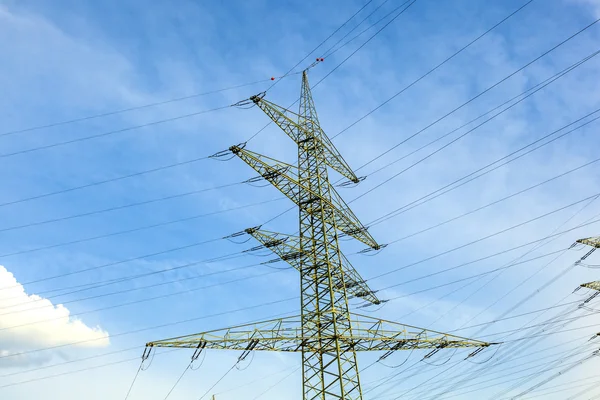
326	334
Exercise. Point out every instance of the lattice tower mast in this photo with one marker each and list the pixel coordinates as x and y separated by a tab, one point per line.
326	333
594	243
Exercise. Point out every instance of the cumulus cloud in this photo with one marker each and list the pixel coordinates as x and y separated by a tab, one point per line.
20	330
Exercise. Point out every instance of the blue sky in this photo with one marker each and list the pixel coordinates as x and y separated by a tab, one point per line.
65	60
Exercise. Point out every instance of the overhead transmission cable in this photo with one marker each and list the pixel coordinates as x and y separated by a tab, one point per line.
370	279
142	300
537	88
445	146
206	261
485	90
142	228
177	99
429	72
137	347
472	176
342	62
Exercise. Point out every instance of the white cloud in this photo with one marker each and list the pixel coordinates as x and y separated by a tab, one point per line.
17	308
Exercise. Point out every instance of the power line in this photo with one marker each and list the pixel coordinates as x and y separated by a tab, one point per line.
164	325
169	165
337	66
276	384
372	278
398	269
395	241
123	304
409	2
485	91
498	201
543	83
446	145
195	244
177	99
430	72
279	301
109	209
537	88
499	233
439	192
162	283
137	347
104	181
332	50
323	42
145	227
218	381
128	109
109	133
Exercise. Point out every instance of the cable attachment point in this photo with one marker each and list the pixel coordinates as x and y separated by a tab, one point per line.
233	149
257	97
371	249
273	261
240	233
351	183
237	147
248	350
147	351
473	354
250	101
250	231
267	245
201	345
435	351
146	355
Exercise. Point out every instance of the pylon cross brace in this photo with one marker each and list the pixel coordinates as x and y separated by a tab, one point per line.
326	333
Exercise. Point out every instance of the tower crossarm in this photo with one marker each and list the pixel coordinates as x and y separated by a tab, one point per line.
302	137
285	178
592	285
372	334
285	334
287	247
591	241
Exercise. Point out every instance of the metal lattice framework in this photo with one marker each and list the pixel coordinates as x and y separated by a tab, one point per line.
326	333
594	243
592	285
591	241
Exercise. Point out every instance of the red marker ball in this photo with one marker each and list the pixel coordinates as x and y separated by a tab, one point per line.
322	59
317	59
272	78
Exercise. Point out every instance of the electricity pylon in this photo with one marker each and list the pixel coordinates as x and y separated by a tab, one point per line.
594	243
326	333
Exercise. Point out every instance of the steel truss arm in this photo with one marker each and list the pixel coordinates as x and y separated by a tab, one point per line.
302	137
368	334
287	247
592	241
592	285
285	178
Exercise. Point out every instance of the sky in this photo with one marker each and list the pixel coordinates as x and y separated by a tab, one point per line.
78	82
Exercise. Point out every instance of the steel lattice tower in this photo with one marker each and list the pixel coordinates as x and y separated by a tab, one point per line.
594	243
326	333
